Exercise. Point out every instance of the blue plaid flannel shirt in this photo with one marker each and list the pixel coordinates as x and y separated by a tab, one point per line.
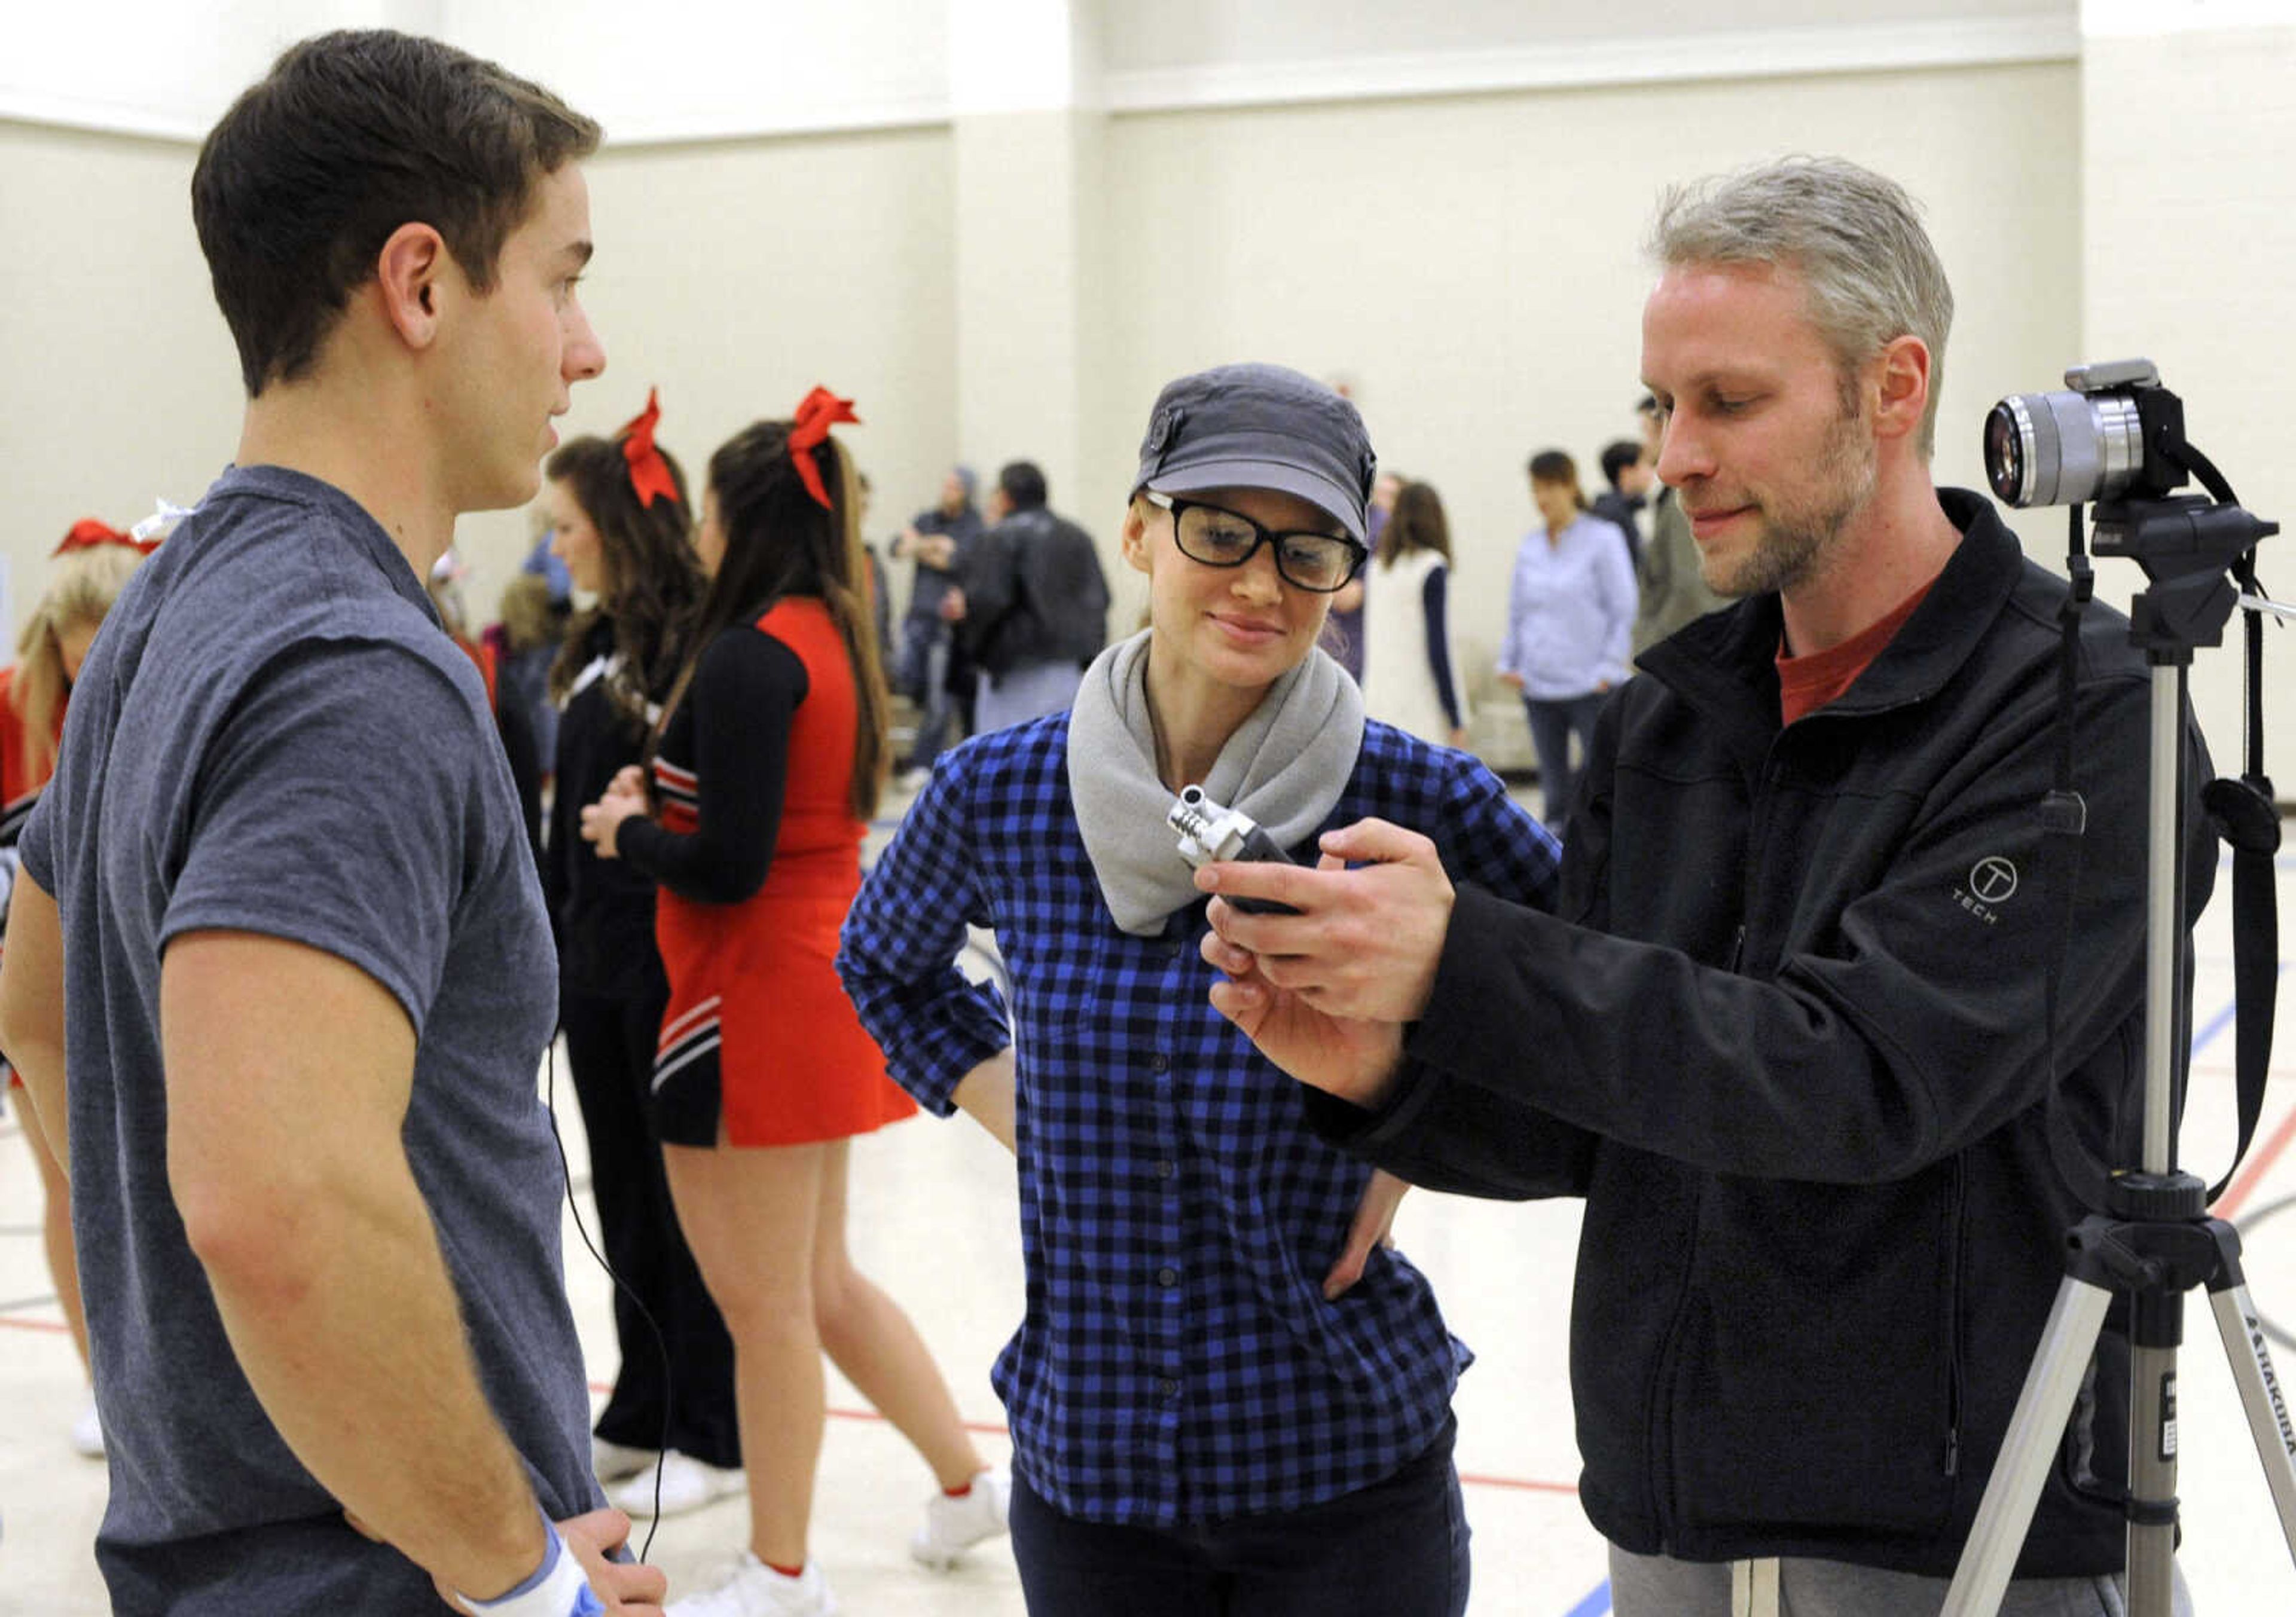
1178	1361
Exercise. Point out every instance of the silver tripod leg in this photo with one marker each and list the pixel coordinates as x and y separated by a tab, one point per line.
2060	1364
2260	1394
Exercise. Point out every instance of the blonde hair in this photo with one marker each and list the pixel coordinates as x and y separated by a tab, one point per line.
82	586
1854	237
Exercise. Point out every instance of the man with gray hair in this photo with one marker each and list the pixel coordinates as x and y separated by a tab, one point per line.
1784	1030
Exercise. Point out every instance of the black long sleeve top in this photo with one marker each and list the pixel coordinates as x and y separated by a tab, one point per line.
732	730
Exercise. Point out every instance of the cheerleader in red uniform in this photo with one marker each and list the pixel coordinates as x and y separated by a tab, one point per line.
767	767
89	570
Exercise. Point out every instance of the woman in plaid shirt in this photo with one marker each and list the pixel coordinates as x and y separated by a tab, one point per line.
1225	1396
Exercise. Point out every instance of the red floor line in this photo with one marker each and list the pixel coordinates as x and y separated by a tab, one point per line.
986	1428
2260	1164
1523	1484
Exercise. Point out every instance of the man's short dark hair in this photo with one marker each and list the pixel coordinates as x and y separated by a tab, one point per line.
1617	455
1022	484
349	136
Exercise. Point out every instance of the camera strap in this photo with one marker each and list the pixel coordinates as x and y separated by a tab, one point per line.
2242	813
2064	822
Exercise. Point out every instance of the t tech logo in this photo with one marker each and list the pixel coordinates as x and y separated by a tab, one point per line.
1991	882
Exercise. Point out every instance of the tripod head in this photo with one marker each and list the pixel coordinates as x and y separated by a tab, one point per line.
2188	547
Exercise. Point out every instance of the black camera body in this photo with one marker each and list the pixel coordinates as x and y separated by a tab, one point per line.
2114	432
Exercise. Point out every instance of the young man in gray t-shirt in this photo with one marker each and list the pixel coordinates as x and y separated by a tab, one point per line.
310	976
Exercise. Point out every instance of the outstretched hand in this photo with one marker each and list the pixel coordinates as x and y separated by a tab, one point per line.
1325	993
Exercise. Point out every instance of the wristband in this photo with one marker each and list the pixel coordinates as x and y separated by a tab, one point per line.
558	1588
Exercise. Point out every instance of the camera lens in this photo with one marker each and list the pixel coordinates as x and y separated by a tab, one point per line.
2062	448
2006	454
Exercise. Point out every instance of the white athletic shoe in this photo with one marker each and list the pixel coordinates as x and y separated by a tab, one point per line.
686	1484
954	1525
757	1590
611	1462
88	1432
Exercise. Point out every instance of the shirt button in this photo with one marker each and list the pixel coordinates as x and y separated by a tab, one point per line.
1167	1388
1167	1275
1160	1064
1165	1169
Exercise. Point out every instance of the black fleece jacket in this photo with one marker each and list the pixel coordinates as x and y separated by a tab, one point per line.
1784	1033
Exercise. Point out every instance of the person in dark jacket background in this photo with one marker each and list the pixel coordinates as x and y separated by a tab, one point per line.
1627	470
1669	587
1032	610
1786	1031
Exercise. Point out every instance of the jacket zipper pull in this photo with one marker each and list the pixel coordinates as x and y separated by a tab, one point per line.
1953	1452
1738	946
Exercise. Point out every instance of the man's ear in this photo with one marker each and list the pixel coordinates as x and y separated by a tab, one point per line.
1133	541
1902	388
410	274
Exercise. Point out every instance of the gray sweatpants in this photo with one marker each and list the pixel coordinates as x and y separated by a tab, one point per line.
1658	1585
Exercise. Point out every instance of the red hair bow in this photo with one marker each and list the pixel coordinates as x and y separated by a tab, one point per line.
817	413
650	477
87	532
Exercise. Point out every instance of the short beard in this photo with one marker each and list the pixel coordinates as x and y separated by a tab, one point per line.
1798	533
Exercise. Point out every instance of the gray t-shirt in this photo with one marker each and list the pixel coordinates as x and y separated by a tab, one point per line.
273	735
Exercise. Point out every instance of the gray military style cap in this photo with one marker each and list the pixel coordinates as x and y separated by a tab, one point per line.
1259	426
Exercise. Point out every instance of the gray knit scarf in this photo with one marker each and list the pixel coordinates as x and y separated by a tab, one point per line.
1285	766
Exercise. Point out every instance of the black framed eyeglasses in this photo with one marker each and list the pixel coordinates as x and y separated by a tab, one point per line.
1319	563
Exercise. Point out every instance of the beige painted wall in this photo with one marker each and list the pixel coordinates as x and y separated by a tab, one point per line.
736	275
2191	209
118	380
1472	264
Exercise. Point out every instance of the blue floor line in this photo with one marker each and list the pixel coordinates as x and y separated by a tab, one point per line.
1595	1604
2222	1020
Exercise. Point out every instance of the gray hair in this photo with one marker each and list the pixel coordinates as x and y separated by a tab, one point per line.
1854	237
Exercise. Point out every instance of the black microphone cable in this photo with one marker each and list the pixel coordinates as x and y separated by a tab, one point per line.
660	1342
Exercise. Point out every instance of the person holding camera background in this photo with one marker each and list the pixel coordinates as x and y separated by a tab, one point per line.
930	669
1225	1397
1785	1030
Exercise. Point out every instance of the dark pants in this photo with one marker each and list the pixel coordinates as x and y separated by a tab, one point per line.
1397	1549
609	1044
1553	724
926	645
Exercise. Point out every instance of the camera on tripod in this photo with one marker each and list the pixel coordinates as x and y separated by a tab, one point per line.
2116	439
2111	434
